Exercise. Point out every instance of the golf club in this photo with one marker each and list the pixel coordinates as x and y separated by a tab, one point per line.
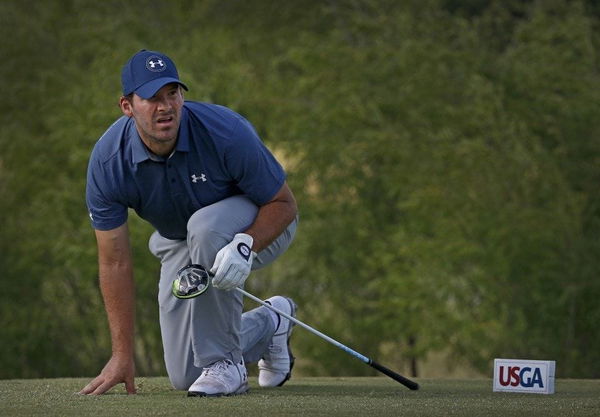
197	276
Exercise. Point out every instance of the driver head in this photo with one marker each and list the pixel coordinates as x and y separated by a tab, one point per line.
191	281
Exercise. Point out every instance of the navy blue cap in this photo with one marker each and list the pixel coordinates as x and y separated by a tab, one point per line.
146	72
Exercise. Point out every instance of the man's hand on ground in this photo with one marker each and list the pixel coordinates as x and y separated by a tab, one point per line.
117	370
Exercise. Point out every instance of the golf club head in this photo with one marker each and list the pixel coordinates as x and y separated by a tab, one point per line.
191	281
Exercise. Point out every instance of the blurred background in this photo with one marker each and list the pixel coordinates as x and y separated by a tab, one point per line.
445	156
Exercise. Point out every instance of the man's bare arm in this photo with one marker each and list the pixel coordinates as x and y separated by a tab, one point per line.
117	286
273	218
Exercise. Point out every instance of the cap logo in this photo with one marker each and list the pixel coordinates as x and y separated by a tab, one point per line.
155	64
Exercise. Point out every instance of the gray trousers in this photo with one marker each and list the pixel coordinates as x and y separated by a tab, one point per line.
199	331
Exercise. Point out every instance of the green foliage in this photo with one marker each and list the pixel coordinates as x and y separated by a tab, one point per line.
444	156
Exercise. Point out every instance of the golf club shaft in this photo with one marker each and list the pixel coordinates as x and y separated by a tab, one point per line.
395	376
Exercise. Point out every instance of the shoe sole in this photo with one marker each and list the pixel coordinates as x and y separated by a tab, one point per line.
288	376
244	389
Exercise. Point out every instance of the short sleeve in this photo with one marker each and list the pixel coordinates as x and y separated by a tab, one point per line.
105	210
254	168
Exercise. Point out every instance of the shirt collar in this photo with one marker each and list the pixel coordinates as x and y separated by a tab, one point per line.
183	141
140	153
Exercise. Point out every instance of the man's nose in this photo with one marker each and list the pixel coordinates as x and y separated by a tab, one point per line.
164	103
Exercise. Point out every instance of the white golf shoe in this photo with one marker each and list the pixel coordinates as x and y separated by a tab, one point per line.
221	378
275	367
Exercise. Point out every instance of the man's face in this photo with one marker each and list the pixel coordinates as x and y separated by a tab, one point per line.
157	118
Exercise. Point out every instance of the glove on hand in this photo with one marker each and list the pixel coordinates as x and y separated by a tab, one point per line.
233	263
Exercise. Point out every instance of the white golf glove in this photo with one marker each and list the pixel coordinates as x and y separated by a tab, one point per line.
233	263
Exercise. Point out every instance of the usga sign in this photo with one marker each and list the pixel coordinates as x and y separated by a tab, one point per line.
517	375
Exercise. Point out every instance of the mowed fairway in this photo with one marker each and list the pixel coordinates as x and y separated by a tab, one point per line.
302	396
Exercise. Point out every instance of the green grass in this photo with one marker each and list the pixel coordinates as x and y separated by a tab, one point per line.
301	397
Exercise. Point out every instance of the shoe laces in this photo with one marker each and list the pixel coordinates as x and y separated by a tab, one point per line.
275	349
218	370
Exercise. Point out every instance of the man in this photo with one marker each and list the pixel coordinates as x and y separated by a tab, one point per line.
217	197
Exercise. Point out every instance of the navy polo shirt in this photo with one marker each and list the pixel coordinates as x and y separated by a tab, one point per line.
218	154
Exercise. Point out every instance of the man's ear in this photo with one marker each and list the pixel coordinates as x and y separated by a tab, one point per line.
126	106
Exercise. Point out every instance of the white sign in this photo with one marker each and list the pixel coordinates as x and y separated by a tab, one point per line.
519	375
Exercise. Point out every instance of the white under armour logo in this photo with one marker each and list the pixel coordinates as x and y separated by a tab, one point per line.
195	178
153	64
